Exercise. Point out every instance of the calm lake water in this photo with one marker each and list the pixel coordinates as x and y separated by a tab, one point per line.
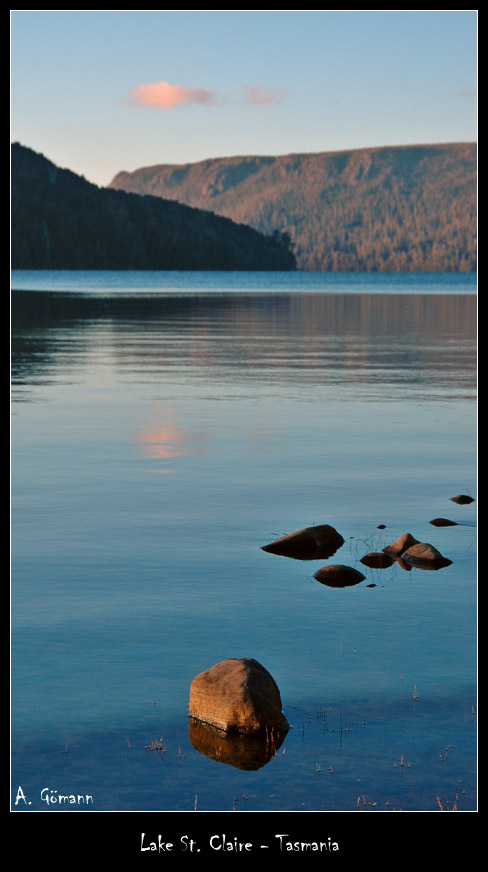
165	426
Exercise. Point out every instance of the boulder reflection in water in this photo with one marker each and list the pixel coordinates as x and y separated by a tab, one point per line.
234	749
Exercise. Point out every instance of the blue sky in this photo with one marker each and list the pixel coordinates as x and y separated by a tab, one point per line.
102	91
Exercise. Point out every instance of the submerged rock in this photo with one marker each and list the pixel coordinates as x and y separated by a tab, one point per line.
425	556
401	545
377	560
339	576
443	522
462	499
310	543
248	752
238	696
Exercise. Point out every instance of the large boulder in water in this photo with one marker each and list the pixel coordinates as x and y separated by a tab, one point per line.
309	543
339	576
238	696
425	556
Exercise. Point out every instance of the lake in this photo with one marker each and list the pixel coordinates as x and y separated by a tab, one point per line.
165	427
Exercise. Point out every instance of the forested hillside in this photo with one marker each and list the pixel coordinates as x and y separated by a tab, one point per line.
61	221
407	208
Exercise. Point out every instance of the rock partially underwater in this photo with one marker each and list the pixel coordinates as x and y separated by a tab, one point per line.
248	752
339	576
397	548
425	556
462	499
443	522
409	552
377	560
238	696
310	543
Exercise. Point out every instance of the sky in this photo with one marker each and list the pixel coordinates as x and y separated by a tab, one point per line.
100	91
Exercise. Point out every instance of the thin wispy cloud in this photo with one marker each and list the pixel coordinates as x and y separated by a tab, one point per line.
465	94
258	96
165	96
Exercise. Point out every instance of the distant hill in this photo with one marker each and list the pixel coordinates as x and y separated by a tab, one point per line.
408	208
61	221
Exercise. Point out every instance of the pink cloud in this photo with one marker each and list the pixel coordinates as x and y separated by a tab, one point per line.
162	95
262	96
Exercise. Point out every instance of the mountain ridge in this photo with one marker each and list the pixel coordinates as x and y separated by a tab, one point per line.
410	207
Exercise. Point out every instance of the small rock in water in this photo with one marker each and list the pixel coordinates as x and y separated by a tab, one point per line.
310	543
377	560
339	576
401	544
238	696
462	499
425	556
443	522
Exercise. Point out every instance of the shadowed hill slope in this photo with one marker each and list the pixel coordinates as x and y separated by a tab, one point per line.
61	221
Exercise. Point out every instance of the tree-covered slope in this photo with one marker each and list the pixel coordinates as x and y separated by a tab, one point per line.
391	209
61	221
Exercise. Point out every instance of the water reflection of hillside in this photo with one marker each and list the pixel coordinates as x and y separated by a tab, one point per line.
355	338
